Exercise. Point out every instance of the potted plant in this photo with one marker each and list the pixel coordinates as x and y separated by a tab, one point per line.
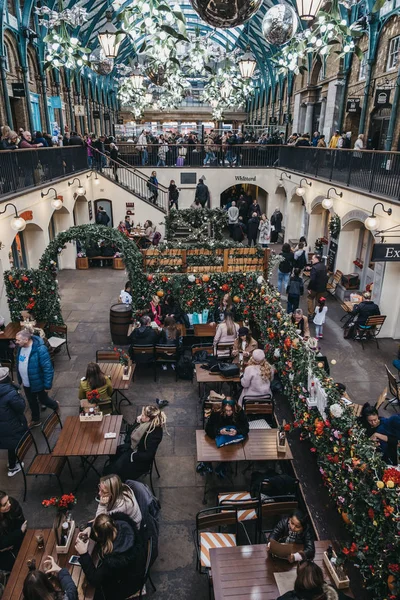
82	261
63	524
118	263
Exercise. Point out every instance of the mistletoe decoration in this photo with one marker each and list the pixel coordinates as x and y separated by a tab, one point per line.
334	226
199	221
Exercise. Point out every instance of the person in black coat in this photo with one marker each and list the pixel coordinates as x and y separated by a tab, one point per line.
38	586
230	415
225	305
170	308
317	283
143	336
13	423
366	308
12	530
135	456
276	225
119	573
254	208
310	585
252	229
295	529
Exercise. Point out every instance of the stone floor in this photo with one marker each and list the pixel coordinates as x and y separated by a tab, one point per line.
86	299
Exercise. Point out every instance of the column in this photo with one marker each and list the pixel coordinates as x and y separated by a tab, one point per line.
5	91
322	115
309	118
44	99
28	98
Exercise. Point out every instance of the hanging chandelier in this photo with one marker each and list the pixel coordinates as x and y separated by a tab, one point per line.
308	9
247	64
110	38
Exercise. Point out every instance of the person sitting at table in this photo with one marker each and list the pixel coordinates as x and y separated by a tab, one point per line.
384	431
301	323
170	308
122	228
226	333
95	380
229	415
257	377
154	310
244	344
126	294
363	310
115	496
295	529
38	586
135	456
144	335
128	223
122	557
12	530
149	231
225	305
170	336
310	585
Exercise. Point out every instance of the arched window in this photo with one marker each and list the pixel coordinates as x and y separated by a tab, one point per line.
6	58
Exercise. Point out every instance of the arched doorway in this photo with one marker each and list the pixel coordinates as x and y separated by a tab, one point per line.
318	226
80	211
107	206
359	243
295	225
34	241
248	190
378	128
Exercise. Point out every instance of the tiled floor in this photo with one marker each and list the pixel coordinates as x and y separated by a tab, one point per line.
86	300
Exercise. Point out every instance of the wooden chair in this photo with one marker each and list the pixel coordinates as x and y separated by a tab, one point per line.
149	473
141	351
382	398
166	355
61	337
208	407
247	509
258	406
270	513
334	281
41	464
48	428
224	351
146	576
394	389
371	329
213	519
107	356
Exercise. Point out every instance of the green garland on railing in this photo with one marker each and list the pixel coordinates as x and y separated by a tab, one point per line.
198	221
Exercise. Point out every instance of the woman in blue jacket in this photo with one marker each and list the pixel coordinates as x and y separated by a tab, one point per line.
35	372
12	419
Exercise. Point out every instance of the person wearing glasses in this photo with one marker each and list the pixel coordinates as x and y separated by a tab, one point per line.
295	529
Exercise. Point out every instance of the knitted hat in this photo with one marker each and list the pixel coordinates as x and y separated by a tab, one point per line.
4	373
258	356
243	331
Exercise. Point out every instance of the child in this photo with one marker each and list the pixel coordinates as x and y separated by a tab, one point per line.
319	319
294	290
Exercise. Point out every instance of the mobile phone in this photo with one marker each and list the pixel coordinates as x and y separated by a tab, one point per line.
74	560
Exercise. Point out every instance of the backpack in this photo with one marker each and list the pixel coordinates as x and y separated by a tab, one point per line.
156	238
184	368
301	262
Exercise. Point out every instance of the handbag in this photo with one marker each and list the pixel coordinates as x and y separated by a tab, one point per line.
229	369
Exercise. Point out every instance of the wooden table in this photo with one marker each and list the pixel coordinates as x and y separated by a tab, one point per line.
204	330
207	450
30	550
247	572
86	440
11	330
204	378
180	327
261	445
115	372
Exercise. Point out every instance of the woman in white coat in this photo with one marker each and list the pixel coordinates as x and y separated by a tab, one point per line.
257	377
264	229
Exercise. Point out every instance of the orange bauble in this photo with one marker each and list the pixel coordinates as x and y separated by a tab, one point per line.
206	278
345	518
391	579
236	299
160	293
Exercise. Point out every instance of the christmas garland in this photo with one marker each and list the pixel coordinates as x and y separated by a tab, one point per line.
200	222
334	226
33	290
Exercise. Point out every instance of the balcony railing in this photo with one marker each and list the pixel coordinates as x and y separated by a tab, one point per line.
24	169
370	171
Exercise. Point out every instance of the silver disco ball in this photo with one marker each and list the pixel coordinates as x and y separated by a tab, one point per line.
279	24
226	13
100	64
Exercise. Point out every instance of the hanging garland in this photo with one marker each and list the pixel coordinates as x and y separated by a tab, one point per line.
197	220
334	226
33	290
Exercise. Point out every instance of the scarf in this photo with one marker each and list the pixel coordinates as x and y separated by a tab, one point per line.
138	433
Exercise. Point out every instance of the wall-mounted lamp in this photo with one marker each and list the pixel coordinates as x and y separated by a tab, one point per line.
372	221
80	189
281	178
18	223
96	179
56	201
300	191
328	202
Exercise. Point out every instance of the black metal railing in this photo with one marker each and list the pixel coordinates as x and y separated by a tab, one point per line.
375	172
131	179
24	169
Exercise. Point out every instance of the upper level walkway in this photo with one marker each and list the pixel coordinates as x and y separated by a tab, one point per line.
372	172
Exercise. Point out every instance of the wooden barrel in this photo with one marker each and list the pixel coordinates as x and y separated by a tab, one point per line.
120	319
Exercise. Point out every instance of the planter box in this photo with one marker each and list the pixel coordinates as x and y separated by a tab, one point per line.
92	419
118	263
82	263
128	375
340	583
64	549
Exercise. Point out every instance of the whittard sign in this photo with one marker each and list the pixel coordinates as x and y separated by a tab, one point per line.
386	253
244	178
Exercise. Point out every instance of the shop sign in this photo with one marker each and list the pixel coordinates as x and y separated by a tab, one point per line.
90	209
382	98
273	120
96	114
333	248
79	110
386	253
244	178
18	90
353	105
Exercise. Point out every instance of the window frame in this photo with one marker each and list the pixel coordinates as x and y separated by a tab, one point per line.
362	73
6	58
391	53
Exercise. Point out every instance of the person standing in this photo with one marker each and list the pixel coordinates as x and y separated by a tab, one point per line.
276	225
255	207
173	194
334	139
252	229
294	290
233	216
102	217
285	268
13	424
319	318
142	147
317	284
35	371
265	231
202	194
152	184
359	145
